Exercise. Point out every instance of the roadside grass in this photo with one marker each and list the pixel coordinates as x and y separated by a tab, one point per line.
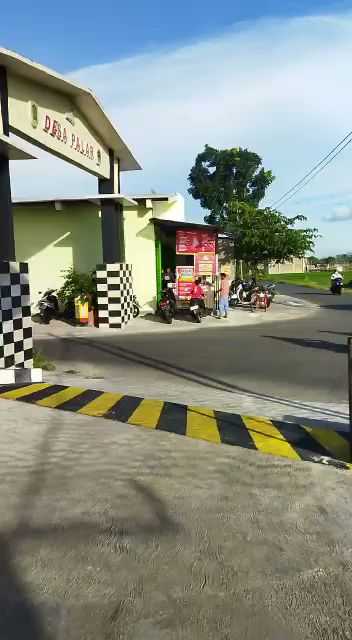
42	362
313	279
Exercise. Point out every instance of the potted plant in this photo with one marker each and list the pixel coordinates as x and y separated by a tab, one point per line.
79	295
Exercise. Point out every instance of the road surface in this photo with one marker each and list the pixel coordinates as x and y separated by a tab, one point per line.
303	359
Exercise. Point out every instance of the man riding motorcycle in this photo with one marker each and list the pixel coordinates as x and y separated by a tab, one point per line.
336	282
336	275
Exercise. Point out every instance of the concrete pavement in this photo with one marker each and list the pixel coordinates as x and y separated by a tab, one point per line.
104	535
274	437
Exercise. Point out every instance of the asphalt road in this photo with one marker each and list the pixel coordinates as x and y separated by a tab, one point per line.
304	359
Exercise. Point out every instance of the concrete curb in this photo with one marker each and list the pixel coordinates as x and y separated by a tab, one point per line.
275	437
238	317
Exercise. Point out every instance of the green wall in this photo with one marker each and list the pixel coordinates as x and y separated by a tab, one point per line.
52	241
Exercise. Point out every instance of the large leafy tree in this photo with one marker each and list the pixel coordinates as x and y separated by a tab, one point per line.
265	235
220	176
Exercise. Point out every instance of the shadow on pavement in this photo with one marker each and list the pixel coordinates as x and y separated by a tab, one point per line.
20	618
313	344
318	423
337	307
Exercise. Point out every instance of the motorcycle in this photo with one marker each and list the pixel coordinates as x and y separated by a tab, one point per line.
167	306
260	298
336	286
48	306
241	292
235	297
195	309
136	306
269	289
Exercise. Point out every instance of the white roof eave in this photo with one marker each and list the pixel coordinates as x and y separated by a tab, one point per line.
95	199
12	150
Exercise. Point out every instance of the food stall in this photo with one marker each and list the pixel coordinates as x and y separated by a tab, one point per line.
190	250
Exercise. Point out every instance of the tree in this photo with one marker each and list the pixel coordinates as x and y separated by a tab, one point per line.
220	176
265	235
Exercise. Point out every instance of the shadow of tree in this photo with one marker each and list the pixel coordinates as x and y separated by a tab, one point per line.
337	307
313	344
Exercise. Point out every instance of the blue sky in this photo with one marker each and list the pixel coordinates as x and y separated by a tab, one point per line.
73	34
270	76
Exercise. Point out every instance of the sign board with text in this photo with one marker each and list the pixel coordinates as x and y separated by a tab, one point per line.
205	264
193	241
47	118
184	277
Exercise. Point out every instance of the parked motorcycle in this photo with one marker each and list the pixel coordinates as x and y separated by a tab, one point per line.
48	306
269	289
136	307
167	306
235	294
196	310
336	286
241	292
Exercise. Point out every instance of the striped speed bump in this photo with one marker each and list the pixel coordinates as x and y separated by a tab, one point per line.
274	437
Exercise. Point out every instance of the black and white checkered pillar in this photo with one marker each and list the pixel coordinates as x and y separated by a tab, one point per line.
16	343
115	295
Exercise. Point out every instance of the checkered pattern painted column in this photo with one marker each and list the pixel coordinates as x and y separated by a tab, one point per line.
16	345
115	295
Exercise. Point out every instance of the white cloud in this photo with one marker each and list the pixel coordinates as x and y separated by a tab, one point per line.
279	87
340	214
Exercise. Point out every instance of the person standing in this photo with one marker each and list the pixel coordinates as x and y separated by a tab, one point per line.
168	277
224	295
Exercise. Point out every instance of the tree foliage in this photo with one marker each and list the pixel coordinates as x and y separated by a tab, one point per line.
230	184
265	235
220	176
77	285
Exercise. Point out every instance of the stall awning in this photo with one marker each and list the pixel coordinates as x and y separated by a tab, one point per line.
177	224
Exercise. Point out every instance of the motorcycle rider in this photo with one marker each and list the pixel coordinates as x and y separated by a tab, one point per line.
336	275
336	282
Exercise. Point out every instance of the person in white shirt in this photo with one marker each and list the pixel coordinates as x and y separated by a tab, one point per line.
337	275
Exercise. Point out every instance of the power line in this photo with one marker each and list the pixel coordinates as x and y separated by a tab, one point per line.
317	172
312	170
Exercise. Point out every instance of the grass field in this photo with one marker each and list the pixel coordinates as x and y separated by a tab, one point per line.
314	279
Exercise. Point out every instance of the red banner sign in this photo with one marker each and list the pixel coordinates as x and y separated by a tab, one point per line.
195	241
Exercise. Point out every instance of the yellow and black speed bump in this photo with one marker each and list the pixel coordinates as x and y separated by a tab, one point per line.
275	437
